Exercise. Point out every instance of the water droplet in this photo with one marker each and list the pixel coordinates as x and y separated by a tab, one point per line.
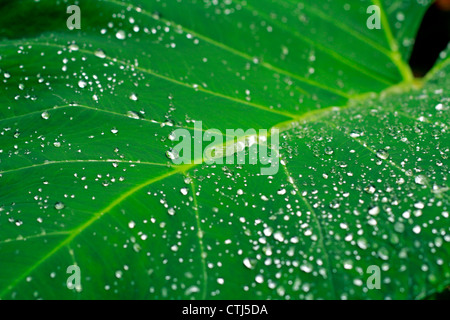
172	136
329	151
370	189
420	179
356	134
191	290
278	236
59	206
382	154
419	205
374	211
74	47
399	227
259	279
248	263
307	267
133	115
335	204
45	115
348	264
383	253
120	35
100	53
172	154
362	243
268	231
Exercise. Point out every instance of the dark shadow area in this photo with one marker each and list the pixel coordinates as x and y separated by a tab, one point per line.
445	295
432	38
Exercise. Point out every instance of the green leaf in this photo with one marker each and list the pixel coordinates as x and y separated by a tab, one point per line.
85	180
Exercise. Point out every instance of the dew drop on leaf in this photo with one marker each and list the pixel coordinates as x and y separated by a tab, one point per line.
382	154
120	35
100	53
59	206
74	47
45	115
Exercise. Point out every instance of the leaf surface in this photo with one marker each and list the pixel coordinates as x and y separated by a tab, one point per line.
86	118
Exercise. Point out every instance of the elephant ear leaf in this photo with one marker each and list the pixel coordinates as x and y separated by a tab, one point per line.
92	205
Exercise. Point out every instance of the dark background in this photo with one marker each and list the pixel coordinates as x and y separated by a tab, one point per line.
432	38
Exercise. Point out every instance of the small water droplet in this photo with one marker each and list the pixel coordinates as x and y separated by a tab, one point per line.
82	84
133	115
59	206
329	151
356	133
120	35
100	53
348	264
420	179
133	97
45	115
172	136
259	279
248	263
74	47
370	189
172	154
362	243
307	267
374	210
268	231
382	154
